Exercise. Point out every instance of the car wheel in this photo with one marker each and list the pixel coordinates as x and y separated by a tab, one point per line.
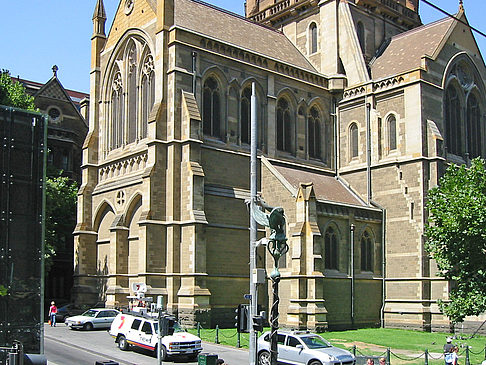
315	362
88	326
192	357
122	343
264	358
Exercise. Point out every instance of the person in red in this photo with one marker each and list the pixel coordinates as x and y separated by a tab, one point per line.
52	314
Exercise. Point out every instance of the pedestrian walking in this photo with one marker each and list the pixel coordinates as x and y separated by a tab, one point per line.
382	361
370	362
52	314
448	346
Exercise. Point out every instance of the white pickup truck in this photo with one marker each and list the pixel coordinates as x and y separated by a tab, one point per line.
132	329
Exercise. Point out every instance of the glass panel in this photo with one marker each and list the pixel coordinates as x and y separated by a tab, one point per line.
392	130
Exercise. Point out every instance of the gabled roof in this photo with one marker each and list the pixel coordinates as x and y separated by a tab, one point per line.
326	186
33	88
406	50
53	89
233	29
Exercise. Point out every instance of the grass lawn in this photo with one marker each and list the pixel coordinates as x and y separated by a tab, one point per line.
404	344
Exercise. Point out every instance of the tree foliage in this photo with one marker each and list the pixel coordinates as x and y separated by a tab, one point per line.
13	93
456	237
61	195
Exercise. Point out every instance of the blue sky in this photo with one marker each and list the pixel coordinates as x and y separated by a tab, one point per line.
38	34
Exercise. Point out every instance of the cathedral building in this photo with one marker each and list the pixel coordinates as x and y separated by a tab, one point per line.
359	109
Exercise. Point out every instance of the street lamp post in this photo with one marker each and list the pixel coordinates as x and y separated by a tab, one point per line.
277	246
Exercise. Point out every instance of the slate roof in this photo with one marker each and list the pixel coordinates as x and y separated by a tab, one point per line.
231	28
406	50
326	187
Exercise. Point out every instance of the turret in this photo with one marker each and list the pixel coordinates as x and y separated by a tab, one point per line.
99	19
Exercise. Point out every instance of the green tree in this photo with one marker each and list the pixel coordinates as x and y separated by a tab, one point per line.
61	196
13	93
456	237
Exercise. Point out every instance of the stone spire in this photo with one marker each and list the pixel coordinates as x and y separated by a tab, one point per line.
99	18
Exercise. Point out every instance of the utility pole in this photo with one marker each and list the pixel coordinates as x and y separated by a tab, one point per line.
253	227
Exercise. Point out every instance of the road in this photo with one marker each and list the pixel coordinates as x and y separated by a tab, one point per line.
71	347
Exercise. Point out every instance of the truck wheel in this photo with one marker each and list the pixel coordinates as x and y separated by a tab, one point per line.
163	353
122	343
264	358
88	326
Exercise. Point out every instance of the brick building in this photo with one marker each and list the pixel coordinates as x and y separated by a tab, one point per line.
66	131
358	110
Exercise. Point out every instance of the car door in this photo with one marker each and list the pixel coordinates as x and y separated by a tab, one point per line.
280	345
292	351
102	319
133	333
145	335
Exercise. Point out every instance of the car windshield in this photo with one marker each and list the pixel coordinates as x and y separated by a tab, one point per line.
89	313
315	342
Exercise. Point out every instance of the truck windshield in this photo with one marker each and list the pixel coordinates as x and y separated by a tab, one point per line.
177	327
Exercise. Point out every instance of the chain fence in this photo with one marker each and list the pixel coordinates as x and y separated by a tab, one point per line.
362	357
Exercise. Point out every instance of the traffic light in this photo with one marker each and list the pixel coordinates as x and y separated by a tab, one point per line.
167	323
258	323
242	318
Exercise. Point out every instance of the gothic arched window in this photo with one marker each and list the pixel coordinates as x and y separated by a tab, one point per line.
473	114
313	37
392	132
132	95
148	93
211	108
361	36
284	126
314	130
245	110
453	121
366	252
117	113
353	140
331	249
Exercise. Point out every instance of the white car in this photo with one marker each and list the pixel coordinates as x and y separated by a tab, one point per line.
93	318
302	348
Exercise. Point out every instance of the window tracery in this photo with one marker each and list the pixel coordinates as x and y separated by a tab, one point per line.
284	126
314	132
313	37
331	249
245	115
366	252
130	96
211	108
392	132
463	114
353	140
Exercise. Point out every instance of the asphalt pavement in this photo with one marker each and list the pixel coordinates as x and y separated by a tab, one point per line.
64	346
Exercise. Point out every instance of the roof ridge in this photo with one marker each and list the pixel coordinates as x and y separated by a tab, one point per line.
422	27
236	15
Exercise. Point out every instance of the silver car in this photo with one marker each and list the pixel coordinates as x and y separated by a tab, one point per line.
93	318
303	348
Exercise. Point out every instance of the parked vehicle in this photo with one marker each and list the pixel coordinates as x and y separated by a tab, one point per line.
93	318
139	330
302	348
68	310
